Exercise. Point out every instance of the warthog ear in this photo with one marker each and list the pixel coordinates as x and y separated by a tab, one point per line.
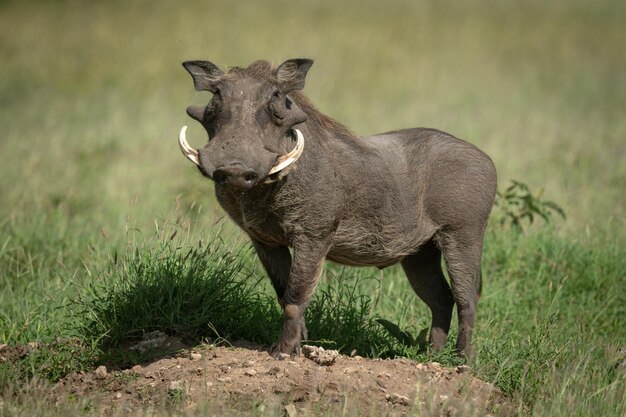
291	74
205	74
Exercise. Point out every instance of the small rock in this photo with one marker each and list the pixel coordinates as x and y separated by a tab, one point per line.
199	371
136	368
33	345
86	378
101	371
283	356
224	379
443	398
420	366
118	395
248	363
194	356
209	384
397	399
319	355
290	410
462	369
250	372
434	364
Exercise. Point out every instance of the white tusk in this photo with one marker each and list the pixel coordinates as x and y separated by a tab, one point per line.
287	159
189	152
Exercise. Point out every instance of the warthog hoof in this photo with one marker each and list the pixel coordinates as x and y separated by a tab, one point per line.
294	332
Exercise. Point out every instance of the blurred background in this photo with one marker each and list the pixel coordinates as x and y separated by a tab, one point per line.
92	94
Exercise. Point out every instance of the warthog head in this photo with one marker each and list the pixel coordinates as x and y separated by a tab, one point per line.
250	122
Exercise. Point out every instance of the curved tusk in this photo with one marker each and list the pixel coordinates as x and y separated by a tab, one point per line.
287	159
189	152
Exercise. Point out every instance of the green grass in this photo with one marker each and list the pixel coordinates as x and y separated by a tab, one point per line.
91	99
188	292
552	323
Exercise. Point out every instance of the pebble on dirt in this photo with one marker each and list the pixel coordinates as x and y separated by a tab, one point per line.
101	371
319	355
397	399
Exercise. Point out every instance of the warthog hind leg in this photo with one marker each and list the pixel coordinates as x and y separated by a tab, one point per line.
462	251
426	277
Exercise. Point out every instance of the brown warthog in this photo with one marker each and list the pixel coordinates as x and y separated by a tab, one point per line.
290	176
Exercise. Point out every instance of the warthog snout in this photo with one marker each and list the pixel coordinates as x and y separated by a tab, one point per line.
236	176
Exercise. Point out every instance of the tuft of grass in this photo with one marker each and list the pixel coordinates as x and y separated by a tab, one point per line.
49	361
192	292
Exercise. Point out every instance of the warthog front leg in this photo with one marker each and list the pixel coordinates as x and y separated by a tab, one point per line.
306	269
277	263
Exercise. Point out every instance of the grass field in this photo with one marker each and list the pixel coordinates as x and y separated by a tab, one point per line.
92	184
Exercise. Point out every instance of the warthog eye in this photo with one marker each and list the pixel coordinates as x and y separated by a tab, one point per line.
275	107
217	96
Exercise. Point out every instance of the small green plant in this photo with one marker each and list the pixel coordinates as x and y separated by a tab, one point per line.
55	360
519	206
124	377
176	394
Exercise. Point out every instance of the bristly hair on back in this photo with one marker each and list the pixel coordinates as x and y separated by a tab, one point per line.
320	119
264	71
259	70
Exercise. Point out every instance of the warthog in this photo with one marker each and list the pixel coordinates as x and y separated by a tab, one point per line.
292	177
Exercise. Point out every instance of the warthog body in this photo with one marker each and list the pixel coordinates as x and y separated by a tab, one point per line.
407	196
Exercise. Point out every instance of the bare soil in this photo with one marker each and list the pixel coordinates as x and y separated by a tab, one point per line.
248	381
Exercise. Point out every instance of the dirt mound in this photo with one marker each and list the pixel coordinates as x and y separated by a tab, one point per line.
235	381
